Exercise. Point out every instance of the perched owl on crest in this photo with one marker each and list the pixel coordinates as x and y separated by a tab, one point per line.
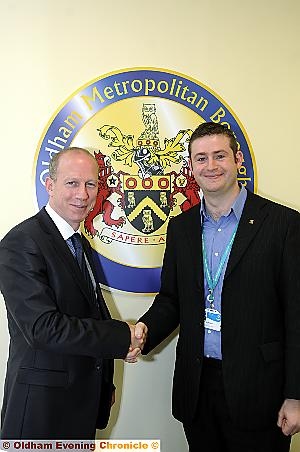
150	122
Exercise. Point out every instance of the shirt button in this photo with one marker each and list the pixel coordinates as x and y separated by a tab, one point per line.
98	367
219	230
216	254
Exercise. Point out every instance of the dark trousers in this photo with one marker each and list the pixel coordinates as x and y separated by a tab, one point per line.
212	429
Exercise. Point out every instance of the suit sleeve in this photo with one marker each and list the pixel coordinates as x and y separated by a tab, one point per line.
290	293
162	318
33	309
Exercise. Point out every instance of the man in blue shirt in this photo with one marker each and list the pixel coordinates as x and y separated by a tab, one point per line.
230	280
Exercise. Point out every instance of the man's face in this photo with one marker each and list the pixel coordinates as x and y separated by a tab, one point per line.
214	165
74	192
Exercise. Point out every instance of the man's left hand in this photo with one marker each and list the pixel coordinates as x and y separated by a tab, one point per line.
289	417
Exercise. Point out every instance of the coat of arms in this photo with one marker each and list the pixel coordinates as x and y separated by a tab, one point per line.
147	185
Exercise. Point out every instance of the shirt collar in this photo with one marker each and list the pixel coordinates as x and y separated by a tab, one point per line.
236	208
239	203
62	225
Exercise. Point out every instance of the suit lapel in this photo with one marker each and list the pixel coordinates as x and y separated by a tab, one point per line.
192	230
59	244
102	305
63	251
251	221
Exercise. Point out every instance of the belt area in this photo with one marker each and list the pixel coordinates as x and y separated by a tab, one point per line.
212	363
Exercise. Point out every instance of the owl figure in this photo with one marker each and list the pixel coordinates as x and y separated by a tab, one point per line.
148	221
150	122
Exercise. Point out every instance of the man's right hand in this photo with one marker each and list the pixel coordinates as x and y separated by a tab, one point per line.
138	339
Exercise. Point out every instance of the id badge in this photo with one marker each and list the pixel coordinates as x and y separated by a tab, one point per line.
212	319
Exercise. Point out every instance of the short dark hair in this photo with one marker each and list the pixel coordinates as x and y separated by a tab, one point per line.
211	128
53	165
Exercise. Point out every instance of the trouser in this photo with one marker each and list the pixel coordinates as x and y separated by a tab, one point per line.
212	429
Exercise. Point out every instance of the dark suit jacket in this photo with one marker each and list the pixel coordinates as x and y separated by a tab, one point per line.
260	312
60	369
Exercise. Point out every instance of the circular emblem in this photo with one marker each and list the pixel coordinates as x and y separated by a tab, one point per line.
137	124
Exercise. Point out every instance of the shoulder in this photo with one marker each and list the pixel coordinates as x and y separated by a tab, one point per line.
273	208
30	227
191	215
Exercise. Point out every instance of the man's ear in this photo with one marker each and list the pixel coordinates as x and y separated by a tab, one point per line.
239	158
49	185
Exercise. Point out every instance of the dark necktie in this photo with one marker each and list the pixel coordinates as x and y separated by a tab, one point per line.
79	254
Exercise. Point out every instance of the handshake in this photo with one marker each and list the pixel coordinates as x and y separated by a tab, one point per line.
138	339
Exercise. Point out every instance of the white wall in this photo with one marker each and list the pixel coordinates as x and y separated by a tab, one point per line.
248	53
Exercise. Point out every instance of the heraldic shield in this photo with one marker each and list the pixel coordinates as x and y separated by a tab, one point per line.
147	201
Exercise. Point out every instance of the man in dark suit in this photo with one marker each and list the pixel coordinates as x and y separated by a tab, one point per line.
230	280
59	380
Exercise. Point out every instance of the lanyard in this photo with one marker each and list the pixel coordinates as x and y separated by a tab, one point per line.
211	280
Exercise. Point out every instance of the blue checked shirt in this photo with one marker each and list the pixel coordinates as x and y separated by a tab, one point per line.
217	235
